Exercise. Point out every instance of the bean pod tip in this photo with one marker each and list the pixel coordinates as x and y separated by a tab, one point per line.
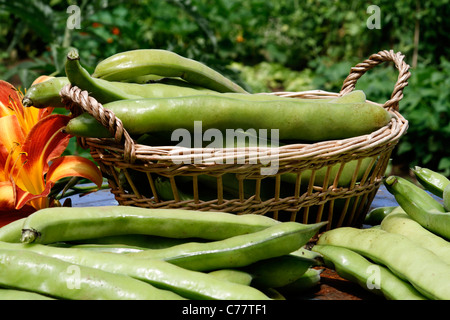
73	55
29	235
27	102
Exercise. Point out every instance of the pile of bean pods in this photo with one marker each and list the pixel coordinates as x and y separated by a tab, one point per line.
121	252
405	255
155	92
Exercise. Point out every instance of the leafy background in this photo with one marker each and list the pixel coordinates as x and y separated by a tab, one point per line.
292	45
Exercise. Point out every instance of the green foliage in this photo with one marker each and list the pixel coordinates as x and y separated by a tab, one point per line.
290	45
427	108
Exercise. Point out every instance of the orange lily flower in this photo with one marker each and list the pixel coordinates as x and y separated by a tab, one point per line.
31	144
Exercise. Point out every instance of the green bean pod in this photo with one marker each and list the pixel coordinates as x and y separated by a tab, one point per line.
26	270
400	222
111	248
45	94
12	232
135	240
171	280
307	281
238	251
420	205
12	294
431	180
233	275
279	271
294	120
419	266
107	91
376	215
135	63
57	224
446	198
101	90
372	277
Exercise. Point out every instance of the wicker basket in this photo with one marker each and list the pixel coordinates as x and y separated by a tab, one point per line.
316	192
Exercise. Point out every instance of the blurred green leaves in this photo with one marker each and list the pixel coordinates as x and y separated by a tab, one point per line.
291	45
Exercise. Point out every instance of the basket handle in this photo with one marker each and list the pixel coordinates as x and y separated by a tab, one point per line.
78	101
383	56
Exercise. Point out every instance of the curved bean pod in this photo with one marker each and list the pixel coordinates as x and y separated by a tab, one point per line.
415	264
400	222
152	273
12	231
295	120
136	240
56	224
135	63
419	205
431	180
372	277
376	215
233	275
27	270
45	94
238	251
12	294
310	279
279	271
446	198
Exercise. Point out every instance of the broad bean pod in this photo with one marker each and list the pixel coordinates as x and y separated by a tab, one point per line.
238	251
376	215
310	279
158	274
400	222
136	240
134	63
431	180
27	270
372	277
13	294
420	205
415	264
45	94
279	271
446	197
233	275
56	224
294	120
12	232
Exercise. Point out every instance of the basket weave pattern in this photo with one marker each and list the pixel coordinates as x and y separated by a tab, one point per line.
306	202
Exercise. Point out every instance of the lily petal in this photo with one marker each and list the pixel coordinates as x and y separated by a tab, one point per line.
8	92
74	166
8	213
36	200
45	142
11	139
6	195
62	167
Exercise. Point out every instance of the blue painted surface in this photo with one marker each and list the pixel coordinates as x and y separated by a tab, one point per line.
106	198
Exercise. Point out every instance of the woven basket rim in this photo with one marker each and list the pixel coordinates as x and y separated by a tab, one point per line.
354	147
324	150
